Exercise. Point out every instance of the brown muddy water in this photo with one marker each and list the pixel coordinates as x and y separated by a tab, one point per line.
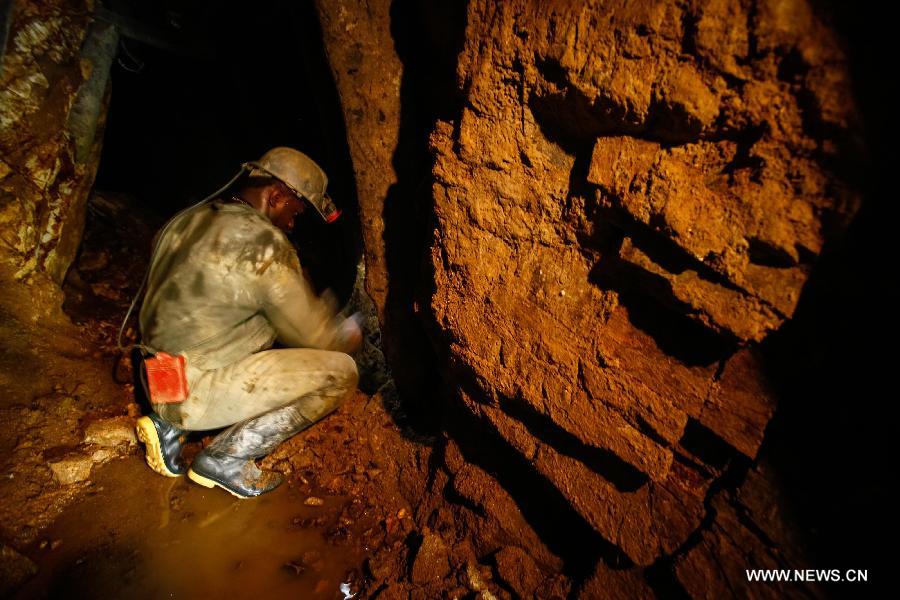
139	535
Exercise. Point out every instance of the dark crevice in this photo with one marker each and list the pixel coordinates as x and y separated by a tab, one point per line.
661	249
380	590
664	252
690	462
428	93
742	159
647	429
610	272
752	40
660	576
676	333
625	477
413	542
689	33
743	515
435	461
572	120
792	68
720	369
765	254
700	442
806	256
671	124
5	22
548	512
622	475
346	238
578	175
568	118
491	560
632	416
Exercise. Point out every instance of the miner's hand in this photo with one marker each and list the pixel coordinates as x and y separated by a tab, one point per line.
351	335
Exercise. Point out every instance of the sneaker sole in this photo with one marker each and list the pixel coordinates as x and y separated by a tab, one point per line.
146	432
211	483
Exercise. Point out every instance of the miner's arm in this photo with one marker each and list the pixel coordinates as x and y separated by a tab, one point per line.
298	315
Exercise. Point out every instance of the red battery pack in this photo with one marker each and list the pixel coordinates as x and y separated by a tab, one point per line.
166	379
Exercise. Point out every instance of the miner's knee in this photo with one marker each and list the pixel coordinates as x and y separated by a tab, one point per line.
347	371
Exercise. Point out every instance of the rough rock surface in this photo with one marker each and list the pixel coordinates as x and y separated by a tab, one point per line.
620	211
629	201
54	70
110	433
372	115
53	96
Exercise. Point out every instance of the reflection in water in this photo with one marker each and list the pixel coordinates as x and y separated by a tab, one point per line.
139	535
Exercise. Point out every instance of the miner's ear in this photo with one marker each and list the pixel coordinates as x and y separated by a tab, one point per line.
271	195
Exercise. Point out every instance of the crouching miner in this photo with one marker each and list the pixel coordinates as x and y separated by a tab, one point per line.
224	283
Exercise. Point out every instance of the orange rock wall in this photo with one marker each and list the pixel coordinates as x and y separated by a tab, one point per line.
628	202
634	194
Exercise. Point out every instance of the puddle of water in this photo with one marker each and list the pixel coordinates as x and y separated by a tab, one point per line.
139	535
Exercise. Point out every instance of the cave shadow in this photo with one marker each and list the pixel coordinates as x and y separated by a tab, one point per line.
566	533
625	477
725	468
830	441
427	93
346	240
654	310
718	460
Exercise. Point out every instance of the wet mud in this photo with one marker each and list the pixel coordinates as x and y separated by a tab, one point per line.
138	535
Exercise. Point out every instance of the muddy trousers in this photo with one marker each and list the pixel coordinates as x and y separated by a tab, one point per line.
264	398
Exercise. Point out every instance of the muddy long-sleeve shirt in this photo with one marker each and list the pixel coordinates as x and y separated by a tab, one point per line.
225	283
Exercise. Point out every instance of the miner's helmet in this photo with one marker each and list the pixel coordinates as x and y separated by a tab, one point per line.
301	174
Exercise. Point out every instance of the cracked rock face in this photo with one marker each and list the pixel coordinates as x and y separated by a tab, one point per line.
632	199
629	201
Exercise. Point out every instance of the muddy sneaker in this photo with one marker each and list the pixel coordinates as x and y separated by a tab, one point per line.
238	476
163	442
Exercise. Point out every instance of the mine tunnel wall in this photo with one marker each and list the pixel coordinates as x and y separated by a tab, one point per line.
55	72
637	214
601	239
